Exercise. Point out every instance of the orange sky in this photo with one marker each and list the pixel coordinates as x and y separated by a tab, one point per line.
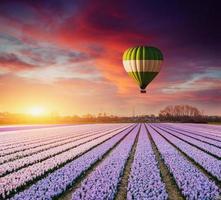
68	59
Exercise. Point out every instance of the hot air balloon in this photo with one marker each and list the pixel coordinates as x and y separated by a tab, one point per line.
142	63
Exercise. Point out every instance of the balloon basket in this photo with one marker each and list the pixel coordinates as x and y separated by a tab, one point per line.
142	91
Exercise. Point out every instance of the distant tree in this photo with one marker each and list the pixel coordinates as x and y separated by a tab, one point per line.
180	113
180	110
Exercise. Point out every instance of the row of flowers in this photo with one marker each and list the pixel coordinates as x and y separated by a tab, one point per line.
144	180
60	180
193	183
13	182
44	137
15	165
103	181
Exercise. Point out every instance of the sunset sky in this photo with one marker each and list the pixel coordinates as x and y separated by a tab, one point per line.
66	56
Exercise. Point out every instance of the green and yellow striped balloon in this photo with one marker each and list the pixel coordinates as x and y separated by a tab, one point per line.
142	63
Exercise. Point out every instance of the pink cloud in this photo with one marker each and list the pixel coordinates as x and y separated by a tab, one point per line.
99	32
13	63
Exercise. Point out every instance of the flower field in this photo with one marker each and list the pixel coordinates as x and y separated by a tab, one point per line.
111	161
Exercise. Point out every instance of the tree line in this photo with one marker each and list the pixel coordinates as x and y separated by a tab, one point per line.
181	113
172	113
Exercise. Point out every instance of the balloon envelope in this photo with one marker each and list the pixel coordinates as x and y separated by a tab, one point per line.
142	63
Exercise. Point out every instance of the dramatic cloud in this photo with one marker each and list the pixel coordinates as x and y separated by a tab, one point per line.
13	63
78	45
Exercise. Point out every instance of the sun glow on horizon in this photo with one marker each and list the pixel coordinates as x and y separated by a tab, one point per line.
36	111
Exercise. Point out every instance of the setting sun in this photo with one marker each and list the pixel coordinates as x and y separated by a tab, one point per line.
36	111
